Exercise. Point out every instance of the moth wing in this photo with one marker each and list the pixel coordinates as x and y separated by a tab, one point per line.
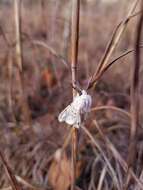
62	116
73	118
70	116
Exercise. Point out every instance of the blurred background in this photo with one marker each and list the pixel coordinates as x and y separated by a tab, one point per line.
30	101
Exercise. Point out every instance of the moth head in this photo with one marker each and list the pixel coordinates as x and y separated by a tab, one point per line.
84	92
78	89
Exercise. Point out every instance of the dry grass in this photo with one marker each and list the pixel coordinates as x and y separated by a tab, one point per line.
35	73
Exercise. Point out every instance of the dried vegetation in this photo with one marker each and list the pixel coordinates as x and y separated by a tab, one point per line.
36	84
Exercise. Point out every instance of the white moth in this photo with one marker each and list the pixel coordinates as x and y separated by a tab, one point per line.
72	113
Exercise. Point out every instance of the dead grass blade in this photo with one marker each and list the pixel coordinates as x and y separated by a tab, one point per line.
92	184
27	184
117	155
103	70
113	43
112	108
51	50
103	154
141	178
102	176
119	174
13	181
9	84
5	38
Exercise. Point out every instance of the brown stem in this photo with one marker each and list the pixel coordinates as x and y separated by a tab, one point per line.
135	99
135	90
19	61
74	61
74	40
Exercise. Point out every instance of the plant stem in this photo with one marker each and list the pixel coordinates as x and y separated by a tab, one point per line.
132	150
74	60
19	61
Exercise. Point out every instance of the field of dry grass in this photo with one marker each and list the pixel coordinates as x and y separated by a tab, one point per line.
36	84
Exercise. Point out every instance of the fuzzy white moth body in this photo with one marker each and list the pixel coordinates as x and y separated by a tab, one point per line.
72	113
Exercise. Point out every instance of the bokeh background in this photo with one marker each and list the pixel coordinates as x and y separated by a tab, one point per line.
31	137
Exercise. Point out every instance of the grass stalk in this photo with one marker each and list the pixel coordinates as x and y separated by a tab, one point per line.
74	61
100	74
135	98
17	11
19	61
116	37
135	92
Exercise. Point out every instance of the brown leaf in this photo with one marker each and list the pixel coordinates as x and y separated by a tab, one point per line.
60	171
